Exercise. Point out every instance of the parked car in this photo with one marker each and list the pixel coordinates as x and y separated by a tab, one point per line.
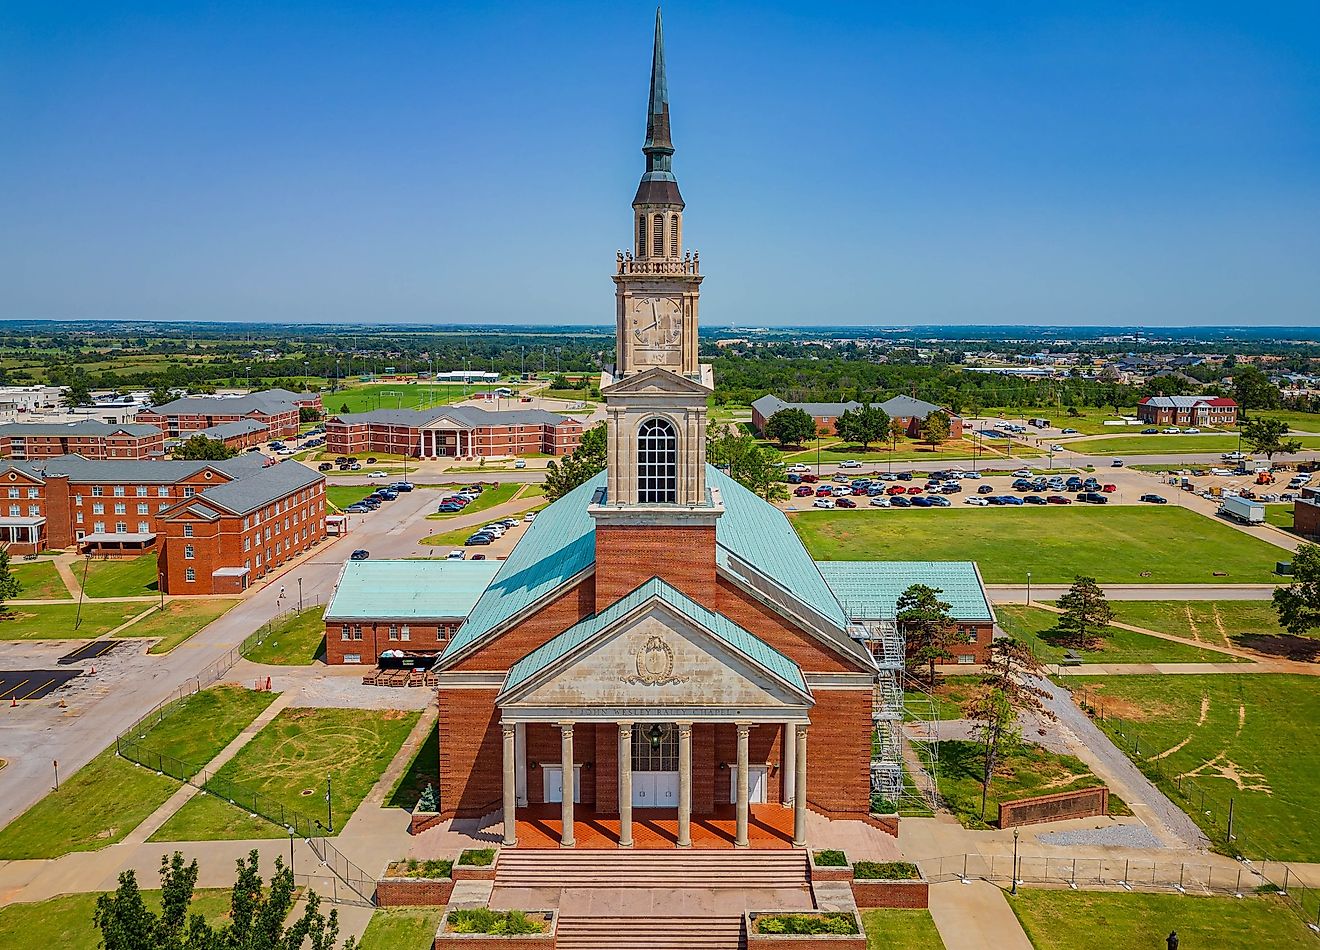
845	503
798	467
895	490
402	486
1056	448
1109	488
823	503
921	501
356	509
1092	497
939	501
1149	431
1035	500
914	490
378	475
1058	500
1012	500
905	476
803	491
324	467
1116	463
793	478
985	489
456	555
1022	473
355	466
1192	431
880	501
361	554
976	500
479	538
951	488
1155	499
388	495
973	475
824	491
1171	430
810	479
529	517
996	499
900	501
448	508
371	460
520	463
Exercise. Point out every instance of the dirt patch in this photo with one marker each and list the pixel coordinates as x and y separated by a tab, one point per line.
1171	750
1191	624
1205	711
1133	710
391	714
1221	766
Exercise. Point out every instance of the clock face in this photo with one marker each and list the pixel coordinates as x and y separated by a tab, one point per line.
656	323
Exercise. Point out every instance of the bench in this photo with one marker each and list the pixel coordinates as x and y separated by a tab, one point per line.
1071	658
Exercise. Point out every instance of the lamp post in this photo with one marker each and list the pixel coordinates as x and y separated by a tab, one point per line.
289	829
300	600
1028	587
1013	890
329	813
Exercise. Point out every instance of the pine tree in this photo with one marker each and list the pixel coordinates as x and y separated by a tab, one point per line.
1086	614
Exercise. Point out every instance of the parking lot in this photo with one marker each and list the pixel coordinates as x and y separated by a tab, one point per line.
22	685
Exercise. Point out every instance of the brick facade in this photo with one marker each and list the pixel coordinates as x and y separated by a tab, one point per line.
629	555
415	434
1083	803
1216	412
413	891
90	440
278	410
353	641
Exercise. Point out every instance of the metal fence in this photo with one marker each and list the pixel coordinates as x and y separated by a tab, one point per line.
258	636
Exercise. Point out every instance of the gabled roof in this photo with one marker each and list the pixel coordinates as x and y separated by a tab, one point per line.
768	405
656	379
409	590
129	471
869	590
908	407
716	624
469	417
82	427
267	402
1186	402
245	495
227	430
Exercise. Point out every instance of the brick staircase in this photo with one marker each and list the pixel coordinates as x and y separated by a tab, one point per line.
652	869
650	933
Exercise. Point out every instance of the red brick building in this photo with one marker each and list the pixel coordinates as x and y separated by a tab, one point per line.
277	409
1211	411
239	435
450	431
911	412
223	538
89	438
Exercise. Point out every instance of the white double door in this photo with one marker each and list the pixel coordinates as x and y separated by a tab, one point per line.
554	784
655	789
755	785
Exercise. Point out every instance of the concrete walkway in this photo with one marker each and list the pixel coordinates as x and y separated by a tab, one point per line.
975	916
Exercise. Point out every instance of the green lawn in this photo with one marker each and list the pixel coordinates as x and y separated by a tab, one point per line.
1035	627
424	768
56	621
1138	444
110	796
133	577
1095	920
950	695
833	450
1297	421
1117	544
402	928
421	395
1250	738
66	922
450	539
40	580
1088	422
177	622
897	930
287	764
341	496
296	639
1029	770
487	499
1281	516
1242	623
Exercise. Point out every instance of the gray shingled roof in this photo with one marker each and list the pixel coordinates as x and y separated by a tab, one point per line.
768	405
269	401
82	427
249	493
908	407
226	430
467	416
129	471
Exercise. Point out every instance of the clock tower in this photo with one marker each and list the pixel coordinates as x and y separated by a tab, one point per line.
656	393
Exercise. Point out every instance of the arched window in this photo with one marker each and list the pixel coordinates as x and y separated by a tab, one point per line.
673	235
658	235
641	235
657	462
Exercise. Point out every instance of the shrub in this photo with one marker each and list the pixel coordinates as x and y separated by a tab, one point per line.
429	800
430	868
886	871
883	806
803	924
477	857
483	920
831	859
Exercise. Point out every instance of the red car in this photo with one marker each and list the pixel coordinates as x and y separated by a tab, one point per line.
1109	488
810	478
859	491
914	490
895	490
802	491
845	503
824	491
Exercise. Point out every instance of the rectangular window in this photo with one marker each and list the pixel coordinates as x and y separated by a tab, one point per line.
394	632
247	544
187	531
404	633
121	508
188	491
357	631
343	632
142	491
34	511
189	575
14	510
144	527
77	499
98	527
98	508
163	491
78	518
13	493
188	553
121	527
119	491
966	658
97	491
34	493
144	509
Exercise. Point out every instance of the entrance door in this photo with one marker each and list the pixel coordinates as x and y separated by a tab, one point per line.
655	765
554	784
756	782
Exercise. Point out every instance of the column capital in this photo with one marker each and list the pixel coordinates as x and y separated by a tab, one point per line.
508	727
625	728
684	728
801	728
744	729
566	728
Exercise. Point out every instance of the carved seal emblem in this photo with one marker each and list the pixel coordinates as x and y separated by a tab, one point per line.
655	665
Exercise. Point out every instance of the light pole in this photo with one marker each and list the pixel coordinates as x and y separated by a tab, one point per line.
289	828
329	813
1028	587
300	600
1013	890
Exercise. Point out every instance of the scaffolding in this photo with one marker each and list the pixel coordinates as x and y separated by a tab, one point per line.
904	722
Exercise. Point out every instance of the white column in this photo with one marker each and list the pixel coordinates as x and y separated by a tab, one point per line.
566	767
787	763
740	838
800	789
510	786
625	785
685	784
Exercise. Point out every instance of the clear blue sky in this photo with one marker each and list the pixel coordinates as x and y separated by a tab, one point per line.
871	163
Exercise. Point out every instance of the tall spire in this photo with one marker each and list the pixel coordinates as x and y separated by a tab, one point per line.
658	186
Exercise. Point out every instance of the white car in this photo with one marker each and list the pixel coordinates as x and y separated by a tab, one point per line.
1056	448
521	463
1232	456
972	475
880	501
1171	430
1192	431
378	475
455	555
1022	473
850	463
977	500
496	529
823	503
799	467
529	517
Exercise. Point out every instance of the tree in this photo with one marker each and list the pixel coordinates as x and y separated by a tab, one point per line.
897	430
343	409
161	395
1008	689
927	625
1266	436
308	414
1298	604
790	427
936	427
256	916
202	449
10	586
864	425
580	465
1086	613
1253	390
757	468
79	392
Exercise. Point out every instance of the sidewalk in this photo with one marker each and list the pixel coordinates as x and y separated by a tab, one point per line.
975	916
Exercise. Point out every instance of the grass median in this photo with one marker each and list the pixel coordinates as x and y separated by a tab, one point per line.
402	928
107	798
295	639
1036	627
1116	544
899	929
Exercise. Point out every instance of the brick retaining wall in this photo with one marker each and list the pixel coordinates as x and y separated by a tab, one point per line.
870	894
541	941
413	891
1083	803
757	941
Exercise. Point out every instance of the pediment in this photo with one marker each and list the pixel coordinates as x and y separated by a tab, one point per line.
656	657
655	380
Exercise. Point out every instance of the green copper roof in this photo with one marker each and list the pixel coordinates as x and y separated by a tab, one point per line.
757	532
720	626
558	545
409	590
869	590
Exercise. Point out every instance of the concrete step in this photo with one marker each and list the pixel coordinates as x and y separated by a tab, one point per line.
650	933
624	868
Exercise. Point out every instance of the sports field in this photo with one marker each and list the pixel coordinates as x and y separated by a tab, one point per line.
1247	737
1036	628
110	796
396	396
1116	544
1138	920
287	765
